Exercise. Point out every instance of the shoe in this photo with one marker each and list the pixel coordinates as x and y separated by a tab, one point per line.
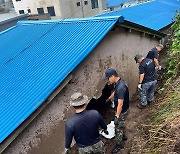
141	106
124	138
117	148
149	102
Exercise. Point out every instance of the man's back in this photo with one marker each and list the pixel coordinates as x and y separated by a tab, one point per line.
153	53
84	127
147	67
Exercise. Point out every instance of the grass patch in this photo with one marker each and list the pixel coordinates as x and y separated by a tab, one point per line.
170	107
159	133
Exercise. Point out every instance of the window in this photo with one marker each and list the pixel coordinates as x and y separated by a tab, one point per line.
94	4
40	10
29	11
111	8
51	11
78	3
85	2
18	0
21	11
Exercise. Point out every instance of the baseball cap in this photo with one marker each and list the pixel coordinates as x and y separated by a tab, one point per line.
137	57
78	99
109	72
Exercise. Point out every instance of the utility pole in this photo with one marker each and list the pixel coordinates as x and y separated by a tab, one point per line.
82	8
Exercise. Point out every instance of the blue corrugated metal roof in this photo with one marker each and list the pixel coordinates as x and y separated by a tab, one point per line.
114	3
156	14
36	57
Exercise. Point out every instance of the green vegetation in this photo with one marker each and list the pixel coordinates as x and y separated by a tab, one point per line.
168	109
164	128
162	132
174	54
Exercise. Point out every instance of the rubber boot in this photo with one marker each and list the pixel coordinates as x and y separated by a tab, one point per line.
149	102
118	147
124	138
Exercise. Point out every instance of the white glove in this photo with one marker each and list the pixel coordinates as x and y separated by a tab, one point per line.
66	151
159	68
139	86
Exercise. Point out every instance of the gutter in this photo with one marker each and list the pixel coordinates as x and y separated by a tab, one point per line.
144	30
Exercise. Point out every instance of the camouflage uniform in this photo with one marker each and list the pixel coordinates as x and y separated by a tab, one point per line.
97	148
120	129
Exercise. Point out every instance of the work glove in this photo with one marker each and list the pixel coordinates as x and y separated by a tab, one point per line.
116	120
140	86
106	132
107	100
159	68
66	151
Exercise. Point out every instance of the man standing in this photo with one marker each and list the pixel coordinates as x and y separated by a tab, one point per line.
154	54
121	101
84	127
147	80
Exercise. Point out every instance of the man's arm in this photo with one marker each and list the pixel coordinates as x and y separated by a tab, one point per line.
102	122
68	137
119	107
141	77
112	96
156	62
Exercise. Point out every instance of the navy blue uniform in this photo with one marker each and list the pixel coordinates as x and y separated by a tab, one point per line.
83	127
153	54
147	67
121	92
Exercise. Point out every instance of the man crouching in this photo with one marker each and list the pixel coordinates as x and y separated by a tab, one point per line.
84	127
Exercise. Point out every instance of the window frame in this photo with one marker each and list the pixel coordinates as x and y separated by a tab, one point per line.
22	12
78	4
85	2
29	10
38	10
94	4
54	14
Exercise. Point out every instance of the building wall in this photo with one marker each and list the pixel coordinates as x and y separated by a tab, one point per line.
117	50
20	5
11	22
71	10
63	8
46	133
34	4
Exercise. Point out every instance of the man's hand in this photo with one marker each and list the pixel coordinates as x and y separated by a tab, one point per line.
140	86
66	151
107	100
159	68
106	132
116	120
